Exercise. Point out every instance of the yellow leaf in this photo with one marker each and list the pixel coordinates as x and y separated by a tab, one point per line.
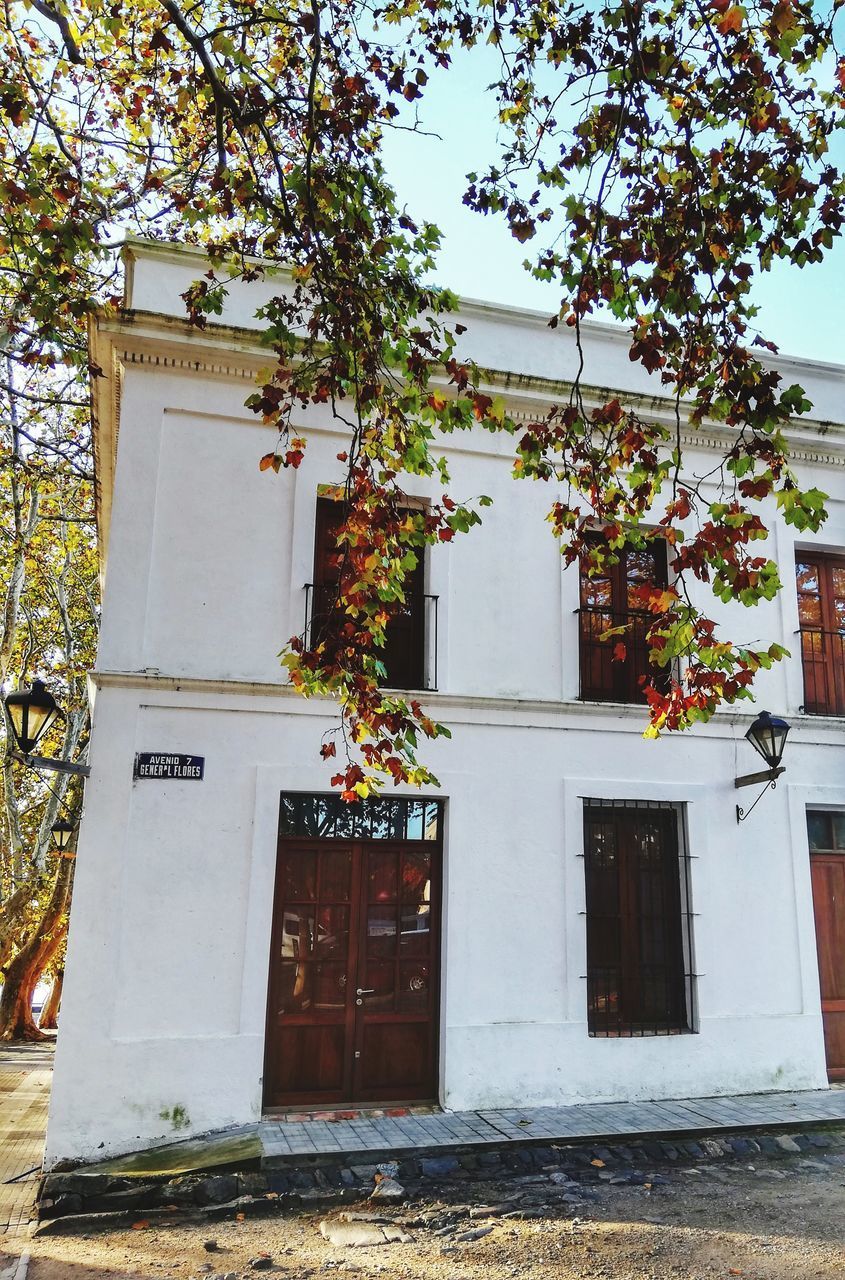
730	21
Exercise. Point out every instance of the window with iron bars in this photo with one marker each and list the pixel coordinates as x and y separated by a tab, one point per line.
640	976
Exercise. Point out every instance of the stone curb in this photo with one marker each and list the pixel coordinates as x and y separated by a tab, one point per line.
75	1201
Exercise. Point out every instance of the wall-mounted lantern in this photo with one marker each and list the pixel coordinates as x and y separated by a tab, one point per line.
31	712
767	736
62	835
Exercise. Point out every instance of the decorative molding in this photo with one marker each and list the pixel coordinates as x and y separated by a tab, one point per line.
711	436
184	364
623	717
151	340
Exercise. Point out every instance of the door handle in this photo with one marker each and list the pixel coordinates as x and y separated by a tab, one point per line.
365	991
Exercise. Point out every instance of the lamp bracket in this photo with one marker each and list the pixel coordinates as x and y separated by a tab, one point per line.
742	814
765	775
53	766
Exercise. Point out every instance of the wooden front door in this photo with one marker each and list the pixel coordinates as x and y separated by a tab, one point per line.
827	864
353	995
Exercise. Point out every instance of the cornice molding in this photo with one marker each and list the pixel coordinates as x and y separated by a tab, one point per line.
243	365
151	340
622	717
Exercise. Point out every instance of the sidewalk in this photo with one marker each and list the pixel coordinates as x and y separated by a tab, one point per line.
296	1140
293	1137
25	1075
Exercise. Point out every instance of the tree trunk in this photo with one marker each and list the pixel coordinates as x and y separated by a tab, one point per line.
11	914
49	1014
16	1021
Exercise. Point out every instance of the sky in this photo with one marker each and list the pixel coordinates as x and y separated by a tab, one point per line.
802	311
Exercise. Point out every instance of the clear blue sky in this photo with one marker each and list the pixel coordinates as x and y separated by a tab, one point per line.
803	311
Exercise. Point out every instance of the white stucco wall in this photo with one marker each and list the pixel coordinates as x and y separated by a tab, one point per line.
165	994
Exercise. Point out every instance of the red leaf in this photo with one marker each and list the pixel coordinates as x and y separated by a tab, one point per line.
480	405
620	652
327	750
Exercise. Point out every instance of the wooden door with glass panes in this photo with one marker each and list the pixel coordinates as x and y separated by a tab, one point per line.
353	997
826	832
614	664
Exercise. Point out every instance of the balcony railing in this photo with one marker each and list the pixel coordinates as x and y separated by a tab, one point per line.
823	659
410	654
605	678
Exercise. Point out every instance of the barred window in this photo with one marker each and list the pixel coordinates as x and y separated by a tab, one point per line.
639	931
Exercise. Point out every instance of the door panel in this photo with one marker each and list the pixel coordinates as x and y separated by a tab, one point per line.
353	992
828	879
396	1023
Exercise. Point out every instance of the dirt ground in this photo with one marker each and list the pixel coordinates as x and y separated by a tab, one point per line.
762	1222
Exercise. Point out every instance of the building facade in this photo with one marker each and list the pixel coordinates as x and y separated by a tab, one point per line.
575	914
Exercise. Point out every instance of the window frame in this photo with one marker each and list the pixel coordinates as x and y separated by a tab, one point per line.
630	1017
822	645
413	657
618	681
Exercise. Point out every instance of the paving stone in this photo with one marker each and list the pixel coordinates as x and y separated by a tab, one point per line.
217	1189
388	1189
439	1166
742	1147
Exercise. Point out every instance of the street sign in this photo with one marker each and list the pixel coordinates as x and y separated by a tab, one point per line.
164	765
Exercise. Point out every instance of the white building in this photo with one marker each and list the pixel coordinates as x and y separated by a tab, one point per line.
464	924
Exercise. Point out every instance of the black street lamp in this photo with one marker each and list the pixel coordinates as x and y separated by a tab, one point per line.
767	736
31	712
62	835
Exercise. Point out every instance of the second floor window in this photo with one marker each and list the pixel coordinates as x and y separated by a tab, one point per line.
609	600
404	653
820	583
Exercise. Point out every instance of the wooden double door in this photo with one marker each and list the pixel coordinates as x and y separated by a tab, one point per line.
354	984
